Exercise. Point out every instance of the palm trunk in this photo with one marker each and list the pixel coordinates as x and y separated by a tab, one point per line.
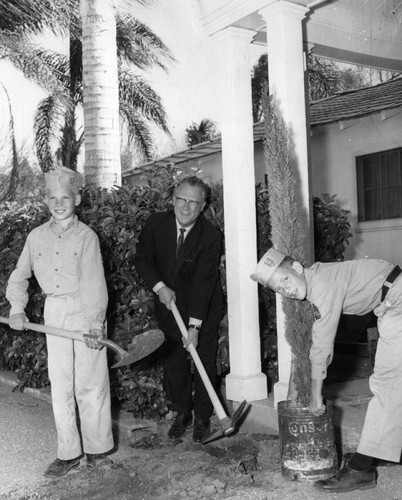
100	93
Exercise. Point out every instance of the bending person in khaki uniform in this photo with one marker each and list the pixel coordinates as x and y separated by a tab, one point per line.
64	255
356	288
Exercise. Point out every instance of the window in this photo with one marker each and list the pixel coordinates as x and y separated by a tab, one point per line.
379	185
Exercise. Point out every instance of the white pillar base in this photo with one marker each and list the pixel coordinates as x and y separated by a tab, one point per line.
280	392
250	387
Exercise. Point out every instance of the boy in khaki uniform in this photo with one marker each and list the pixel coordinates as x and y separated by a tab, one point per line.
64	255
351	287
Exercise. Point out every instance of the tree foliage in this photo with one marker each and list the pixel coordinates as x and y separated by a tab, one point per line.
198	133
60	75
325	78
9	149
259	79
288	237
331	229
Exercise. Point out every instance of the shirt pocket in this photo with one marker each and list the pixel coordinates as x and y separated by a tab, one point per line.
43	260
70	262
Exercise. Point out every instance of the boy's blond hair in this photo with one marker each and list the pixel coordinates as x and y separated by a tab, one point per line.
64	178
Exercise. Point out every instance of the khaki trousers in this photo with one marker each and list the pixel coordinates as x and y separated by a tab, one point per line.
79	381
382	432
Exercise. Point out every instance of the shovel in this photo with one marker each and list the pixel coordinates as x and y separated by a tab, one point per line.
142	344
227	425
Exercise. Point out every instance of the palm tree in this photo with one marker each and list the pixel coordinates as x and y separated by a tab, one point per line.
100	93
204	131
61	76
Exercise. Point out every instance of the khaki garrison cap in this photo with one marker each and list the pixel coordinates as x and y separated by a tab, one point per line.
267	265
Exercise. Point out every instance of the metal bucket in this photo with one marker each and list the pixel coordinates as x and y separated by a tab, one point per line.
307	443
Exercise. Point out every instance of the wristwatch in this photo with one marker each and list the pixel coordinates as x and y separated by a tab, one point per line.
195	327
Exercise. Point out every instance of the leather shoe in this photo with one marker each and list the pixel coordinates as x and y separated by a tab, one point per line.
60	468
348	479
179	426
201	429
100	461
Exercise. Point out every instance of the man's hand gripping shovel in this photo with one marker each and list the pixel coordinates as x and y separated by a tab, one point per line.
141	345
227	425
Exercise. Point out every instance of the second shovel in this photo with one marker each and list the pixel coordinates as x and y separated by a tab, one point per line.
227	425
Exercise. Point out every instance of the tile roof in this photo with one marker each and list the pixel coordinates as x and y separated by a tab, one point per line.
357	103
197	151
341	106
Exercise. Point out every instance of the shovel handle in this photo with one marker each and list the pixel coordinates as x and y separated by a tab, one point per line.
67	334
198	363
51	330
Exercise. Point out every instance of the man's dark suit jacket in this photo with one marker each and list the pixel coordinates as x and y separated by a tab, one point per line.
194	276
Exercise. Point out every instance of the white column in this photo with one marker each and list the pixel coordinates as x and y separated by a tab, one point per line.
245	380
286	69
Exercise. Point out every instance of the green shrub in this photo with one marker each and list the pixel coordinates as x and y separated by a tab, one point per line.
331	229
118	218
24	353
140	390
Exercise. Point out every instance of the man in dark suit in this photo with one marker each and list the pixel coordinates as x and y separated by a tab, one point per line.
178	256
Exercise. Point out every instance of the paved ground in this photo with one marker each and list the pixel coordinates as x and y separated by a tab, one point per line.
27	436
237	468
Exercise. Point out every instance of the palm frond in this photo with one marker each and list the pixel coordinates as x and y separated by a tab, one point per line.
48	69
128	5
48	127
76	69
32	17
9	193
135	92
138	45
138	131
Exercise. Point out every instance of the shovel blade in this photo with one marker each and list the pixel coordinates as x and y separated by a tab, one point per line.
216	435
141	346
227	425
237	415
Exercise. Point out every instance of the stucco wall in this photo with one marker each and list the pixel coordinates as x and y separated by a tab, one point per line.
211	165
333	157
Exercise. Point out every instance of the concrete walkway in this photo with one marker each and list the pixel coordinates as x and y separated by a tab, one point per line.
28	435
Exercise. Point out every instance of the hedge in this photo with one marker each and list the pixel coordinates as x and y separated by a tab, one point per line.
118	218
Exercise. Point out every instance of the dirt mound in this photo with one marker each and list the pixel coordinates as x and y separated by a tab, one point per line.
159	469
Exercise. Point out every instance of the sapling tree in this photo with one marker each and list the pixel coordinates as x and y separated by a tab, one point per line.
288	237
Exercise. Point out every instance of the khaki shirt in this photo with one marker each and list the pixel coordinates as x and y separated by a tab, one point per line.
65	263
350	287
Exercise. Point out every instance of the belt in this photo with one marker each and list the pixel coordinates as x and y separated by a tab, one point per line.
396	271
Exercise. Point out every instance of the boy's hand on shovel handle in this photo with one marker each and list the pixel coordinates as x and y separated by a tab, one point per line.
17	321
92	339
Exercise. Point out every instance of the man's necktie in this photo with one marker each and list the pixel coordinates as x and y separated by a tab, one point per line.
180	241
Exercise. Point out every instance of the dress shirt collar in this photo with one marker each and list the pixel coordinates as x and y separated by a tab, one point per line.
188	229
73	223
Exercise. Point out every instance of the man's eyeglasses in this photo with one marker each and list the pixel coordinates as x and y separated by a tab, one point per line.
181	203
